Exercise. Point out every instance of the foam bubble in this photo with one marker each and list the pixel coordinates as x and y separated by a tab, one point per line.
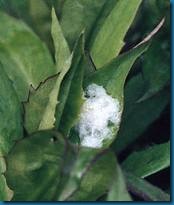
98	112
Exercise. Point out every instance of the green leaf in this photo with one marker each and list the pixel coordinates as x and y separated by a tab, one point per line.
138	116
35	13
91	180
112	77
149	161
109	39
78	169
83	15
40	110
71	92
118	190
24	67
10	114
38	14
5	193
144	189
34	166
62	52
156	69
38	103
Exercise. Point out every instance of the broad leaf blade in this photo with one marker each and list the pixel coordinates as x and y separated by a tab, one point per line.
10	114
148	161
38	170
118	190
32	65
109	39
144	189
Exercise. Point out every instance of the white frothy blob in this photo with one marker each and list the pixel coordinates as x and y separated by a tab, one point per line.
98	111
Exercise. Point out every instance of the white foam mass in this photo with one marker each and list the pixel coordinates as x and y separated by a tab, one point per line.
98	110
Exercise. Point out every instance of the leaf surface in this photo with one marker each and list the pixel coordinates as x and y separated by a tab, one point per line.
90	181
109	39
156	69
137	117
38	170
118	190
10	114
149	161
112	77
23	66
5	193
83	15
71	92
40	110
144	189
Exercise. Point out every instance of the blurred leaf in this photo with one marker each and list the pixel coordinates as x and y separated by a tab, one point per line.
109	39
83	160
71	92
118	190
35	13
83	15
21	64
34	166
112	76
94	181
17	8
11	114
156	69
39	13
138	116
144	189
5	193
40	110
149	161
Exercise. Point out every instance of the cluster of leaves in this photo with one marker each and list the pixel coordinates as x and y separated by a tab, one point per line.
46	63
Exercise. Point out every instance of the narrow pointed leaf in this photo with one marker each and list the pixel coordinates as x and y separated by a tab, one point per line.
40	110
24	67
71	92
148	161
144	189
10	114
63	62
112	76
109	39
62	52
